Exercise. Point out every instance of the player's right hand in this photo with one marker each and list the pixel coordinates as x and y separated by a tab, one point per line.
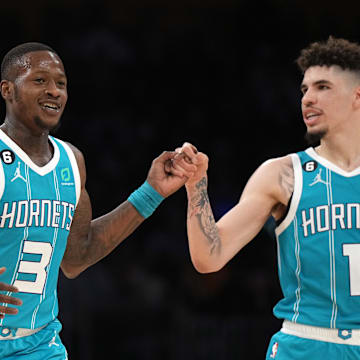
191	155
8	299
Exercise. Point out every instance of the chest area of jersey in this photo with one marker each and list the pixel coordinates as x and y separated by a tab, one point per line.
329	202
33	200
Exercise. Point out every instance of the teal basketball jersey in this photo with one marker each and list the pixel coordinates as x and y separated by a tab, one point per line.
319	246
37	205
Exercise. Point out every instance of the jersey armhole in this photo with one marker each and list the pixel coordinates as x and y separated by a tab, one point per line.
75	168
294	202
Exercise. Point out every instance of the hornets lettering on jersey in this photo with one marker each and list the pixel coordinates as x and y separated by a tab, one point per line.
37	205
319	246
37	212
326	217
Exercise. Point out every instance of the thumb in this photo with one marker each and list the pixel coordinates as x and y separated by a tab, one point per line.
165	156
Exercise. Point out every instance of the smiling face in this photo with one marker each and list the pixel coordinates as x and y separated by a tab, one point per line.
37	96
328	99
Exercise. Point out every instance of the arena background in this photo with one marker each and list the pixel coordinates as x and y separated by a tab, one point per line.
145	76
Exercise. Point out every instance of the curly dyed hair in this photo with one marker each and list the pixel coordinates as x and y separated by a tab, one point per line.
334	51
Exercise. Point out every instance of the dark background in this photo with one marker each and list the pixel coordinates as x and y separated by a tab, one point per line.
145	76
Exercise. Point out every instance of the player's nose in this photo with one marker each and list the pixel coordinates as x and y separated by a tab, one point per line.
53	90
309	98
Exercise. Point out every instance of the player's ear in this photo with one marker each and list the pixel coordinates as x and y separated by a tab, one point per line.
7	90
357	98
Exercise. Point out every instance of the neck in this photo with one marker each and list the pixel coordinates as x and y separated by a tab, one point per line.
36	145
342	149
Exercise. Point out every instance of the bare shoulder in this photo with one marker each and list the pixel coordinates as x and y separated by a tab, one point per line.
276	178
76	151
279	174
282	170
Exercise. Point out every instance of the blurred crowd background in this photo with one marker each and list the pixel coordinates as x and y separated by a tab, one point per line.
145	76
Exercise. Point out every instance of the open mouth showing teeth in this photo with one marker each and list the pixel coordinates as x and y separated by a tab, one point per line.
50	106
310	116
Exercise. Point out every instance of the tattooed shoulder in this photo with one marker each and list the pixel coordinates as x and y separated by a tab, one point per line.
286	177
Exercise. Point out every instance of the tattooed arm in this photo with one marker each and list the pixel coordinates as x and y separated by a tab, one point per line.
91	240
212	244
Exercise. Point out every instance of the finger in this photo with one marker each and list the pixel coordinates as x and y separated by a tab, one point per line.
187	145
2	269
8	310
183	156
181	171
7	287
167	166
165	156
190	154
10	300
187	159
184	163
176	172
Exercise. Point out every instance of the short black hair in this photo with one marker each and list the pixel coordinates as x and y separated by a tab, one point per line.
333	51
15	55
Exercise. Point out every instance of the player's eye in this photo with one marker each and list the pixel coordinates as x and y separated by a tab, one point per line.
39	80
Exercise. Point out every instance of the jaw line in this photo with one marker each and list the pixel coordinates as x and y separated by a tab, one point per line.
313	138
42	125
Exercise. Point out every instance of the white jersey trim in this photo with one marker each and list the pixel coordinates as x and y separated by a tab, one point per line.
298	185
328	164
75	168
2	180
41	170
336	336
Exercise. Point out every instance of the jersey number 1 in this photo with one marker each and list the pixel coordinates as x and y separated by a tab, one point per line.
34	267
353	252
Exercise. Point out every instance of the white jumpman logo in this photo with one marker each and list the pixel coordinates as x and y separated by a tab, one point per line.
318	179
17	174
52	342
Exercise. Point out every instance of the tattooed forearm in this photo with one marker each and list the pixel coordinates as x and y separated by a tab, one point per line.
199	206
107	234
286	179
88	245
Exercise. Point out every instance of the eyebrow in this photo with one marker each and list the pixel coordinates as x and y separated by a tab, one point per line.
41	71
318	82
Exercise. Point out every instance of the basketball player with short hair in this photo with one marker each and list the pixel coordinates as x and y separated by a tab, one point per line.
314	195
45	211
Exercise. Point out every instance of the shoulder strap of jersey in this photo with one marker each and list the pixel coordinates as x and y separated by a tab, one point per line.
2	179
298	184
74	166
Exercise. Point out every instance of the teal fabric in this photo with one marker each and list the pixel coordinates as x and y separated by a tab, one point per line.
288	347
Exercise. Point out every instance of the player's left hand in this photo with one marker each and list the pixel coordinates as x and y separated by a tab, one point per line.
164	178
6	300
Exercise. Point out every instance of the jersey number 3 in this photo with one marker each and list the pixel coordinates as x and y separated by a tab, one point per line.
37	268
353	252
